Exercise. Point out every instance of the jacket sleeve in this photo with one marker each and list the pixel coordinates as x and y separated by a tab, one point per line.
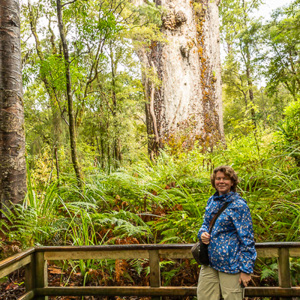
205	224
243	223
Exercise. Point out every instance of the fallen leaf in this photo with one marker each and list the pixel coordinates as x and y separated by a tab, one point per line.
55	270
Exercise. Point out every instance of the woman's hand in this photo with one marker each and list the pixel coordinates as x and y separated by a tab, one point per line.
244	278
205	237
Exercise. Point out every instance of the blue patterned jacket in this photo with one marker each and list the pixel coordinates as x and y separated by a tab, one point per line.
231	248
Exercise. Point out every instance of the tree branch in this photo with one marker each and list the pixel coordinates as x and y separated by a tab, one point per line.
68	3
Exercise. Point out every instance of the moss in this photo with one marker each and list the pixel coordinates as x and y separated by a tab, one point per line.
198	8
183	139
208	79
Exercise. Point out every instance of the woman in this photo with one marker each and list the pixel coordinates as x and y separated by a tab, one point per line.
231	246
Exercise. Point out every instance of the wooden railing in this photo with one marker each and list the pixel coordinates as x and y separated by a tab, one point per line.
35	262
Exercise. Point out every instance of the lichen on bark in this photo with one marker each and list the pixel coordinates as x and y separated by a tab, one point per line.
208	50
187	104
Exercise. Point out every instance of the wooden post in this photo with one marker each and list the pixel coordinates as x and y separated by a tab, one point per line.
155	280
30	274
284	274
41	273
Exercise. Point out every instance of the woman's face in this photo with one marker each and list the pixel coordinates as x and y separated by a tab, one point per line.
223	183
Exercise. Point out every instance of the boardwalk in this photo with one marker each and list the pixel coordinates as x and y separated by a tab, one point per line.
35	262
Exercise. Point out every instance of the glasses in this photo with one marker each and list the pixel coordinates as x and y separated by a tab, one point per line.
223	178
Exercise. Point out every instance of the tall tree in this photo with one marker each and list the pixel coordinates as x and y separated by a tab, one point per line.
12	138
105	84
66	55
184	101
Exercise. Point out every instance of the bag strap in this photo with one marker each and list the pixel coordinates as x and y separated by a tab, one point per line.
213	220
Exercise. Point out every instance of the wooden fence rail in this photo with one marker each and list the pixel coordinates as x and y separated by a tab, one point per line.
35	262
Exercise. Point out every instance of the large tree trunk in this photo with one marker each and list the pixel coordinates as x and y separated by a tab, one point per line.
186	107
12	136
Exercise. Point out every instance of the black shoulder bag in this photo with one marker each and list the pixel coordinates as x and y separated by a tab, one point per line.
200	250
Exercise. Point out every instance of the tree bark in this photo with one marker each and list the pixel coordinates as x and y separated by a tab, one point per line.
248	69
12	135
69	96
57	163
187	106
116	139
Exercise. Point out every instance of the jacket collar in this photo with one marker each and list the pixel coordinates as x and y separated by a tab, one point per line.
229	197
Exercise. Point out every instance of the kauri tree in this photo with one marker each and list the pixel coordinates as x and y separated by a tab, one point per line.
183	86
12	138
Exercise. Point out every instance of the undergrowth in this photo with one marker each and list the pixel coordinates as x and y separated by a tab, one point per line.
161	202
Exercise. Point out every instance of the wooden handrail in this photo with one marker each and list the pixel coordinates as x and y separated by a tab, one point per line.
153	247
36	281
15	258
15	262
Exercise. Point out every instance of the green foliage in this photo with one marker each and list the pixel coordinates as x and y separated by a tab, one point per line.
281	36
164	202
255	54
270	272
36	221
149	13
125	224
168	275
105	73
289	131
240	32
295	270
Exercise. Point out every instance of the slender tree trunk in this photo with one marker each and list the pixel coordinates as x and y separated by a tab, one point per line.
186	107
56	163
69	95
102	151
12	135
51	90
116	141
248	70
251	95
